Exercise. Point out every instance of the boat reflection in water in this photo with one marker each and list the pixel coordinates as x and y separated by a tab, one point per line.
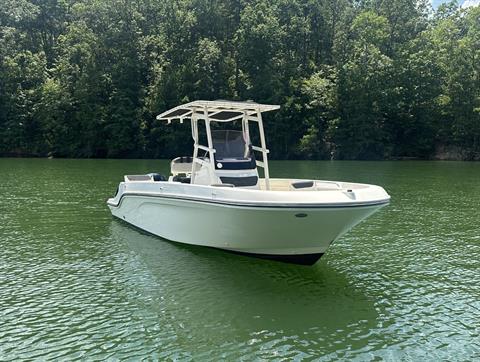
239	297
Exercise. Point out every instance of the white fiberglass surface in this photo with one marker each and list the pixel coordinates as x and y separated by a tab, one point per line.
347	193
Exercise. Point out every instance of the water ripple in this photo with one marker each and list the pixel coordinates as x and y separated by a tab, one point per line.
75	284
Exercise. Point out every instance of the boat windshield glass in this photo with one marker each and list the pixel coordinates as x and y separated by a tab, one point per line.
230	144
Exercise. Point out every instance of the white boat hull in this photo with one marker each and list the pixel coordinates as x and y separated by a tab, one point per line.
296	234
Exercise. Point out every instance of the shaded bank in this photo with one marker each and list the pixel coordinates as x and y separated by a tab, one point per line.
443	154
355	79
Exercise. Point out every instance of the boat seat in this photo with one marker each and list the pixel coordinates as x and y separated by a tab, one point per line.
237	163
183	159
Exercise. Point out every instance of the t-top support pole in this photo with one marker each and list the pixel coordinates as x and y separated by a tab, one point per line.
264	150
210	146
195	146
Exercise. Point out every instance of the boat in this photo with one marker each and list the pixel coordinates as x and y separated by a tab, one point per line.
222	196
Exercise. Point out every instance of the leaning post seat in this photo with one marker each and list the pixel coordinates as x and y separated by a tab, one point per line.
235	164
182	165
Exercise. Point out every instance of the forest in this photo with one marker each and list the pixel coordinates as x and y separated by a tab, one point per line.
356	79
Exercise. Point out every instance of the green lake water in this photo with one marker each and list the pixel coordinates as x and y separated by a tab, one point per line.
77	284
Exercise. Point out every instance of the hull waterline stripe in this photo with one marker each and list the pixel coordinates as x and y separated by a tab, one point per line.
246	204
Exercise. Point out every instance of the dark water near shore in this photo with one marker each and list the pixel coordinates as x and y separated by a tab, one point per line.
74	283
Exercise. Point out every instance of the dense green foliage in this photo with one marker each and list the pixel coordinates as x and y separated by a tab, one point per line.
363	79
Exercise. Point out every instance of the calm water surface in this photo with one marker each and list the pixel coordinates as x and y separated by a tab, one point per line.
75	283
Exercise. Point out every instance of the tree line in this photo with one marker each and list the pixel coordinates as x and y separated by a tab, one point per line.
356	79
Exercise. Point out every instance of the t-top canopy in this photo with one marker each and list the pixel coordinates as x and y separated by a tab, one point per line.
220	111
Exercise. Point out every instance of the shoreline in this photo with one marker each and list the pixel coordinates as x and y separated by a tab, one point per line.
31	156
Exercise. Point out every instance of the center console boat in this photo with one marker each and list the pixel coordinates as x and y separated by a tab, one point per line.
218	198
